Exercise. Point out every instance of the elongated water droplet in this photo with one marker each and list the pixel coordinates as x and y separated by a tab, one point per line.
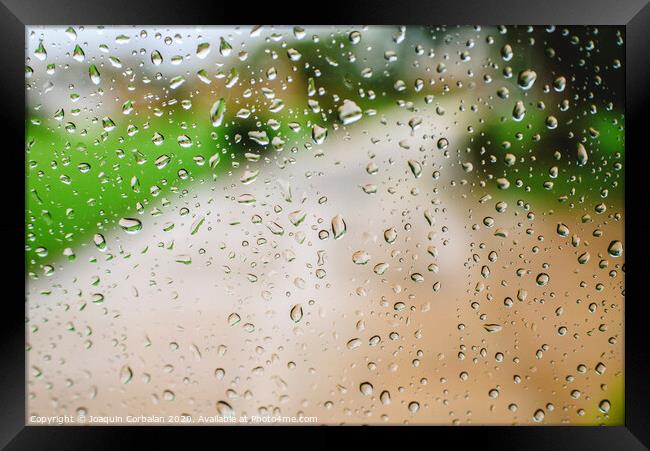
416	168
197	225
233	319
71	33
157	139
559	84
249	176
40	51
318	134
506	52
582	155
526	79
297	217
130	225
366	388
294	55
615	248
184	141
542	279
94	74
519	111
338	227
296	313
354	343
78	54
214	160
126	374
99	241
202	50
224	409
493	327
380	268
224	47
414	123
156	58
259	136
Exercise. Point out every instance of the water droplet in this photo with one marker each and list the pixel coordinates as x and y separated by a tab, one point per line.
390	235
99	241
355	37
297	217
538	416
582	155
380	268
526	79
506	52
78	54
176	82
249	176
366	388
296	313
542	279
233	319
615	248
318	134
224	409
349	112
492	328
202	50
156	58
360	257
354	343
224	47
126	374
217	112
604	406
338	227
416	168
40	51
95	77
519	111
130	225
184	141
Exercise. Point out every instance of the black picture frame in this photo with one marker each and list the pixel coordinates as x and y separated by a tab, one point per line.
634	15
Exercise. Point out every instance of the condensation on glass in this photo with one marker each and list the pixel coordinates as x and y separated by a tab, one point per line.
334	224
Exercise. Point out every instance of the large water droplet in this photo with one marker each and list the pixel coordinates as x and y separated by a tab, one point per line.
93	72
130	225
338	227
349	112
217	112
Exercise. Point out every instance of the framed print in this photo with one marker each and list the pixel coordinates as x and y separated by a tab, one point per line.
425	220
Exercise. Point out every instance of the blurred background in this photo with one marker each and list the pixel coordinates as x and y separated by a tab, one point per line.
362	224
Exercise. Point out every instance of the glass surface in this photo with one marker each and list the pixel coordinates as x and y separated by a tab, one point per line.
332	224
